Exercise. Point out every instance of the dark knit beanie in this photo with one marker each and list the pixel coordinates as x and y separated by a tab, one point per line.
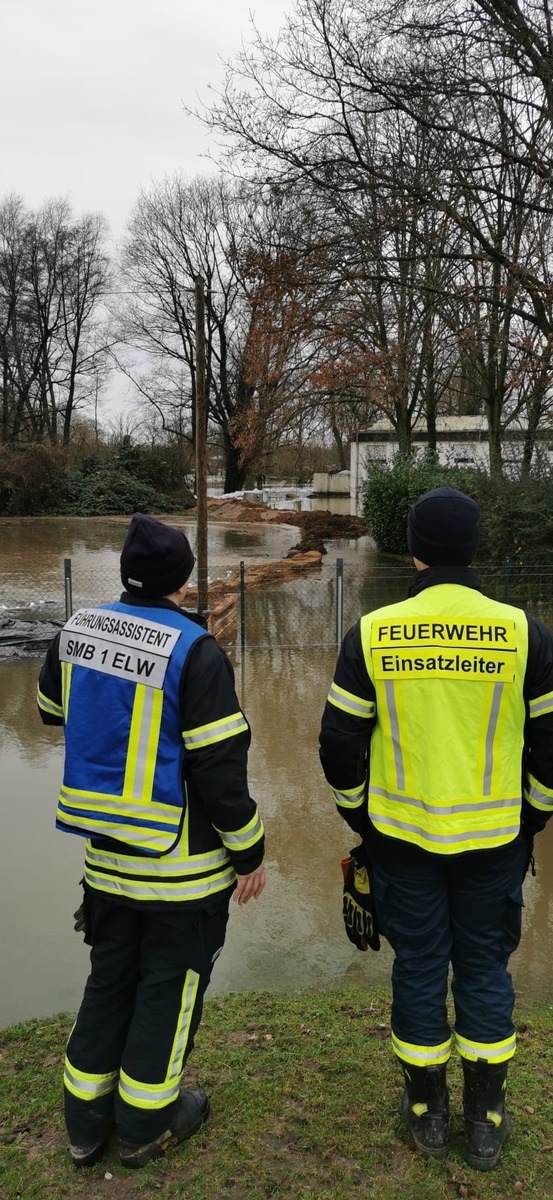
443	529
155	560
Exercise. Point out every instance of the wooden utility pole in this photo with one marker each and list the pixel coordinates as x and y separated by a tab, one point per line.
201	457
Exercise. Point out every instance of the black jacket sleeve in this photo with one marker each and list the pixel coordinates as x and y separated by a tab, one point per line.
49	693
537	804
348	720
217	737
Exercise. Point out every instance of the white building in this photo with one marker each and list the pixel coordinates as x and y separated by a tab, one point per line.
460	442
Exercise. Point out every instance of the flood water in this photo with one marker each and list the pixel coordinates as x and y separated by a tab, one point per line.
292	938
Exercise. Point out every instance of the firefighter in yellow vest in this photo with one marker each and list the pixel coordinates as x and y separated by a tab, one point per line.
437	742
155	778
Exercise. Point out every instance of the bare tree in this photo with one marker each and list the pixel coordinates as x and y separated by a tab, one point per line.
471	87
54	274
256	313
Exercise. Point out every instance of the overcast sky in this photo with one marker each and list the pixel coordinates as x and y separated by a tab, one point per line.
92	94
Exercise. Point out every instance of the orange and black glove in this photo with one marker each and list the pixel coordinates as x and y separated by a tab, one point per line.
358	902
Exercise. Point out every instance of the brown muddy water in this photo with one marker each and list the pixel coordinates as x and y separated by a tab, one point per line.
292	938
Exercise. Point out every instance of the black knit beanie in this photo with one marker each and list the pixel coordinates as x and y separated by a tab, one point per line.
443	528
155	560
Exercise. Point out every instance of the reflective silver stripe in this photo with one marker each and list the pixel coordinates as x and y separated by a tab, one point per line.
490	1053
543	704
120	809
244	837
143	742
349	801
436	1054
535	793
48	705
120	833
490	735
508	831
353	704
156	890
66	670
90	1088
168	865
394	726
216	733
154	1096
183	1028
447	810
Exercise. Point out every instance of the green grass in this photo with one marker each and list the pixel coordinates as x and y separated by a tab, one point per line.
305	1093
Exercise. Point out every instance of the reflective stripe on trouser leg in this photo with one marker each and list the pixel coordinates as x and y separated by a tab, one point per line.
421	1056
86	1086
490	1052
411	898
97	1039
158	1095
486	917
178	949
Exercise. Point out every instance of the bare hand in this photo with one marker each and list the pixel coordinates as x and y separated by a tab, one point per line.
250	885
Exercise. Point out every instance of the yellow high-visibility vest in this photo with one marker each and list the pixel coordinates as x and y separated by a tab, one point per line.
448	669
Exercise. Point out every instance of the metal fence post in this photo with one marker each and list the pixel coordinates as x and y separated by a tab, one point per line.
339	600
506	574
242	607
68	583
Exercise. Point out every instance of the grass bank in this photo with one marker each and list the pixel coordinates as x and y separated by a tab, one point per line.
305	1095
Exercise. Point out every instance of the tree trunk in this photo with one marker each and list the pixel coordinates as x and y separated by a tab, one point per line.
342	464
534	411
494	440
5	401
235	474
403	429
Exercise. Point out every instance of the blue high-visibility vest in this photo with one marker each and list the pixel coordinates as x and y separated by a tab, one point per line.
124	751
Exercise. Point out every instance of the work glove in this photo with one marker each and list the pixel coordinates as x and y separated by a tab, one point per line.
358	902
79	919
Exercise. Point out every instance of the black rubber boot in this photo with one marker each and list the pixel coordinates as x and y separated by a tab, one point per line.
88	1156
487	1124
192	1111
425	1108
90	1127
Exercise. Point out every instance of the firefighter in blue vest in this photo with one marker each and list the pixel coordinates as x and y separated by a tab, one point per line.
155	779
437	741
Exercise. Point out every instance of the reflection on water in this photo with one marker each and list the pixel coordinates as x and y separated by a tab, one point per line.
33	552
292	938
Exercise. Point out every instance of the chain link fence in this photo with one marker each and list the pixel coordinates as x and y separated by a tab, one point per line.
309	611
314	613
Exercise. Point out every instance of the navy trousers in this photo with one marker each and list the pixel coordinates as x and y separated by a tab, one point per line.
140	1011
462	910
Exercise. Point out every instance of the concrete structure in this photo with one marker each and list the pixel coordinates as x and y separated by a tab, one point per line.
461	442
331	483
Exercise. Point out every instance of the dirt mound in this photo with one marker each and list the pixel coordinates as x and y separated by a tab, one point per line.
317	527
320	526
258	576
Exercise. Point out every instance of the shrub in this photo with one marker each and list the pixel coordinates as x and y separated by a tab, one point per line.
36	481
30	479
517	517
109	490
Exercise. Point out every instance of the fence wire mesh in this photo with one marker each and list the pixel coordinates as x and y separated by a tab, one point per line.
311	611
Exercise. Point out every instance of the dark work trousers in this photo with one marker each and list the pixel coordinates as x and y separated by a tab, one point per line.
141	1008
463	909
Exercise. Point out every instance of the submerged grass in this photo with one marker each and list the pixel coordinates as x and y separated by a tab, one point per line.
305	1094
